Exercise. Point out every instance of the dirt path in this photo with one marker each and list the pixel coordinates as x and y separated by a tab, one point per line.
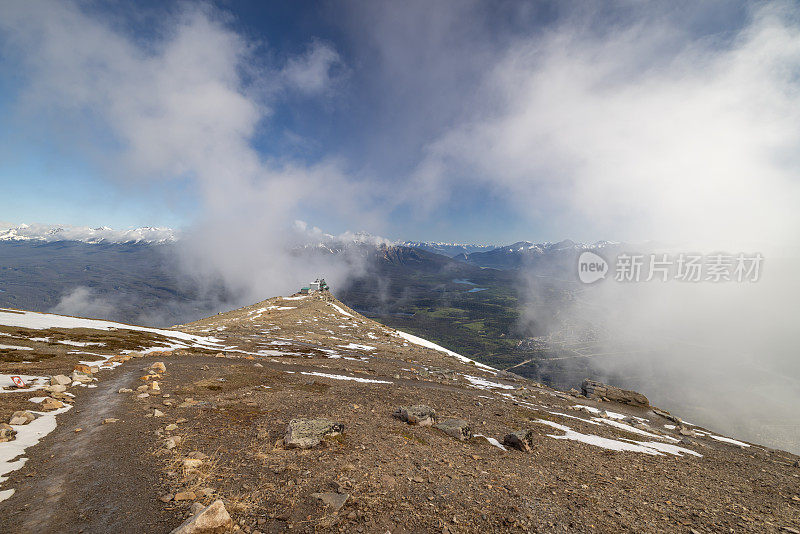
96	480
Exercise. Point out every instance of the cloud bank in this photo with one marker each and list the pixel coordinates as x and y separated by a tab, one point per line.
186	106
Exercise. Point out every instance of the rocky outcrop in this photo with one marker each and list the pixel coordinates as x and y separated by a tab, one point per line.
418	414
597	390
521	440
21	417
308	433
213	519
457	428
60	380
6	433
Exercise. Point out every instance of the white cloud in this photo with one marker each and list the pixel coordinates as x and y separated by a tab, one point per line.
185	105
619	134
312	72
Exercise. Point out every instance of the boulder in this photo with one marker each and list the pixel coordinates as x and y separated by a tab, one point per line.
159	367
171	443
521	440
6	432
308	433
83	368
83	378
419	414
125	390
49	404
60	380
334	500
185	496
21	417
213	519
192	463
666	415
597	390
457	428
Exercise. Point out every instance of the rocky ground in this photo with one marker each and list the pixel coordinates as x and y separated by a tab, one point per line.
299	414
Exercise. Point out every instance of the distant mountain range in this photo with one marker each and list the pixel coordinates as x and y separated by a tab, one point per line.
50	233
448	249
514	256
527	254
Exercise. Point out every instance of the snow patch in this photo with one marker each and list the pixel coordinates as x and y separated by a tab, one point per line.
425	343
482	383
493	441
43	321
342	377
28	435
729	440
340	310
645	447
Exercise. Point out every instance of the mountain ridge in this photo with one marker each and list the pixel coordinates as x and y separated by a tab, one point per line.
299	413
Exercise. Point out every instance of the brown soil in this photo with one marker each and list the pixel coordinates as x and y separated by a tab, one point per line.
399	478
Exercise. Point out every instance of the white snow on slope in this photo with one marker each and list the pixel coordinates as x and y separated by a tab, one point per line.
491	440
645	447
482	383
27	436
342	377
42	321
425	343
633	429
729	440
15	347
340	310
299	297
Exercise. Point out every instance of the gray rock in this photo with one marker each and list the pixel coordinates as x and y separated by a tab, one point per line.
21	417
7	433
419	414
597	390
666	415
334	500
308	433
213	519
457	428
81	377
60	380
521	440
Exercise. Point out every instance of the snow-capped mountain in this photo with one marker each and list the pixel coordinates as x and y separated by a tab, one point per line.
61	232
524	253
448	249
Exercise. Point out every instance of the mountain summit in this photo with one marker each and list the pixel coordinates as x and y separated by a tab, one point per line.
298	413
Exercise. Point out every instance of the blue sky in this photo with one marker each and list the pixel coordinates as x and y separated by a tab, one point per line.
457	121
